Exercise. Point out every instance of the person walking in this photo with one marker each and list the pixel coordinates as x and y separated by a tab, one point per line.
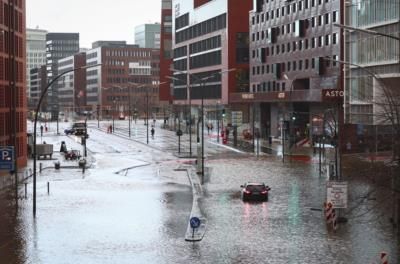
41	130
152	132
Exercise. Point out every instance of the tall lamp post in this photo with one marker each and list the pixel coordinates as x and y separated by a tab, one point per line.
289	126
147	108
203	81
129	106
35	123
188	87
190	114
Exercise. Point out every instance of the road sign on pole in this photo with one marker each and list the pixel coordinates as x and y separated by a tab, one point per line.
7	158
237	118
337	194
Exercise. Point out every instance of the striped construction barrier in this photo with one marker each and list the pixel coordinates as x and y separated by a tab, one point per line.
330	215
384	258
334	220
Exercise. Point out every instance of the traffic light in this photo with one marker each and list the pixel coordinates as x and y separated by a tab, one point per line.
223	112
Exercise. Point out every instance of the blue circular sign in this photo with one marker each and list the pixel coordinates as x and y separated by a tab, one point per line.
194	222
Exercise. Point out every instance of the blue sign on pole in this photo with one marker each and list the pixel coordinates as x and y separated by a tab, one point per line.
7	158
194	222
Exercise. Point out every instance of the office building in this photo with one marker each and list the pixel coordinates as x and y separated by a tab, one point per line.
58	46
35	52
127	75
148	36
72	86
372	54
38	82
209	37
290	43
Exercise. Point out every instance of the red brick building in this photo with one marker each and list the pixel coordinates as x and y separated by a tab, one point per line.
165	50
128	74
13	94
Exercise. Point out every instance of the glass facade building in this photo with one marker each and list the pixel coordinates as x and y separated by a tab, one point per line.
374	59
148	36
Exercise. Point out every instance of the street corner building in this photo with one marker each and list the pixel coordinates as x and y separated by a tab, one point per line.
13	83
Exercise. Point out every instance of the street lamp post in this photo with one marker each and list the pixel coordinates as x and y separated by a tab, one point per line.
188	89
217	117
202	81
147	108
287	125
147	115
35	123
113	113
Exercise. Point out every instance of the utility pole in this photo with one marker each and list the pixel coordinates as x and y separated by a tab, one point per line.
202	133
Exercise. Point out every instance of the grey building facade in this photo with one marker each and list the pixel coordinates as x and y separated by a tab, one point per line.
58	46
289	41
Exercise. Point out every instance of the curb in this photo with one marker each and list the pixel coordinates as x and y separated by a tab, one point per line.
197	191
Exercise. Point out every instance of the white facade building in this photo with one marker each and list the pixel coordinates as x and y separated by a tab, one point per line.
35	52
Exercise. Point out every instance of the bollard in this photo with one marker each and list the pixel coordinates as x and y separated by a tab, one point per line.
26	190
82	164
48	188
40	167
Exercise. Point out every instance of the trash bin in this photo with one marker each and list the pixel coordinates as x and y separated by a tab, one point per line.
82	163
57	165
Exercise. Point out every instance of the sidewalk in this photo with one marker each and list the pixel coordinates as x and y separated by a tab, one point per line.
51	138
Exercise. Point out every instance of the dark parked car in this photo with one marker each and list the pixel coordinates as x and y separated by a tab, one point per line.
255	191
69	131
80	128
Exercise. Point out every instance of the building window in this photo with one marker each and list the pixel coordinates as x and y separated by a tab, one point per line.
327	40
326	18
335	16
334	38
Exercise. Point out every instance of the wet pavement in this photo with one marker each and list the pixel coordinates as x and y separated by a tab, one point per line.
132	206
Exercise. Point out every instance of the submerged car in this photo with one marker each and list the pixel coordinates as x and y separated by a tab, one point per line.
255	191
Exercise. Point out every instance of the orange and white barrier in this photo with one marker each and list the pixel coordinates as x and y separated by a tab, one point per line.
384	258
330	215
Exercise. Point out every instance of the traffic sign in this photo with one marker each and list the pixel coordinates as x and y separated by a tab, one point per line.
7	158
237	118
337	194
194	222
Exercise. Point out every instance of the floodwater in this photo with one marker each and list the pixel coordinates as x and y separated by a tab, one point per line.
132	206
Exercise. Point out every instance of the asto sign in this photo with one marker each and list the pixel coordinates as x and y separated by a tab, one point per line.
332	94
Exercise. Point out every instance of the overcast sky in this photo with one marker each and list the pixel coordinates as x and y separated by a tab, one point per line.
93	19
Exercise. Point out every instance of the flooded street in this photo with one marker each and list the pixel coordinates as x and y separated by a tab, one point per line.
288	228
134	203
